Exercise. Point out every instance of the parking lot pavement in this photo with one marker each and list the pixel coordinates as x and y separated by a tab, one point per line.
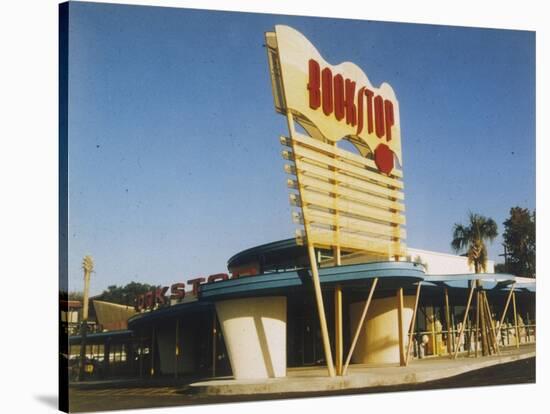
95	399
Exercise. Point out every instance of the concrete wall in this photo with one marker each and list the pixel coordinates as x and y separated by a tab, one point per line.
437	263
379	339
443	263
254	330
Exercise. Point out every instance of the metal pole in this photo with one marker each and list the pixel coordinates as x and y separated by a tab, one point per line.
214	343
360	325
177	349
152	372
140	355
87	266
432	325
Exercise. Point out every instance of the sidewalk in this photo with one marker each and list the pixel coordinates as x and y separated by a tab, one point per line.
312	379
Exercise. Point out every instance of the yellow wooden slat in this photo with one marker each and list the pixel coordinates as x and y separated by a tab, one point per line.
322	200
347	193
342	155
327	238
316	216
303	152
306	167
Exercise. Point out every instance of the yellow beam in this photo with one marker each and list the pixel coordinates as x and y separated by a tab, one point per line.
360	326
515	318
328	238
339	153
321	309
448	321
491	323
464	320
477	324
355	224
505	309
307	167
309	197
413	323
320	185
400	326
338	331
301	152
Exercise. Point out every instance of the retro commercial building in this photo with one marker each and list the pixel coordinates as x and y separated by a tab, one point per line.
346	289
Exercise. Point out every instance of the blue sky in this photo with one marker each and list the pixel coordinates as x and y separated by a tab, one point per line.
173	140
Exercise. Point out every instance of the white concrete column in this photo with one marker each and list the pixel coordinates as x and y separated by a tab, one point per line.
378	341
254	330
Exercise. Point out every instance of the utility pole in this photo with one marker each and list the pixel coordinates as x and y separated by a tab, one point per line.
88	267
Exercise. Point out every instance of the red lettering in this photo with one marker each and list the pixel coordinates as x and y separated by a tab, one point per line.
388	109
160	295
177	291
218	276
379	116
149	300
360	110
195	283
337	95
351	109
369	94
314	84
140	302
326	79
339	107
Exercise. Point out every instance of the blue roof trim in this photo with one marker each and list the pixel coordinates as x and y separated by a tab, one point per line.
390	274
101	335
490	281
271	247
168	311
297	278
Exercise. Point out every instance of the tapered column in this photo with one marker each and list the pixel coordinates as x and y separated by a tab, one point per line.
254	330
378	341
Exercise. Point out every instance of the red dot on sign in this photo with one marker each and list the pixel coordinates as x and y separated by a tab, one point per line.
383	157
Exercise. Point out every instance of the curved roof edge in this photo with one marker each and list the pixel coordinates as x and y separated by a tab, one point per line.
263	248
500	281
389	271
391	274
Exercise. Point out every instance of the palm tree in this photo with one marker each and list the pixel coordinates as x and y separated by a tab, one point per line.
472	238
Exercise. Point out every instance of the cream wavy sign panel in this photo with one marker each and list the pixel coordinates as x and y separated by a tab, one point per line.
346	199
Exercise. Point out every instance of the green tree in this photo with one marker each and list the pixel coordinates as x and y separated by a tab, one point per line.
501	268
76	296
125	295
520	242
472	237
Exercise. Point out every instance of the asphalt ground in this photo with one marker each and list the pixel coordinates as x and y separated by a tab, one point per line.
164	394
